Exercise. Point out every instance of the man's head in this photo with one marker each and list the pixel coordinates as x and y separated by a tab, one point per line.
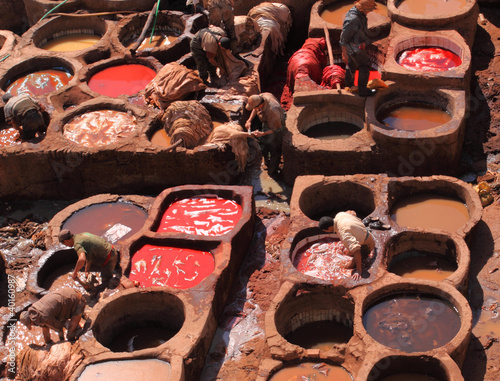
253	102
225	43
326	224
25	319
351	212
365	6
66	237
6	97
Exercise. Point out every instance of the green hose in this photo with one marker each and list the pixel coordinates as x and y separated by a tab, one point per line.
53	9
154	23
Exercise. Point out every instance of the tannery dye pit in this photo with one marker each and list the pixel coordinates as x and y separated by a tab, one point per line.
188	270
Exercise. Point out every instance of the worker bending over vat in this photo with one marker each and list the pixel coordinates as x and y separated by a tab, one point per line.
25	115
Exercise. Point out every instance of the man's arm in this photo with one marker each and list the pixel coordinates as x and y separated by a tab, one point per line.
79	264
248	124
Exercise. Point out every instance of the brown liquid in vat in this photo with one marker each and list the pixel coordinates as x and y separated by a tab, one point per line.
161	138
158	40
334	13
312	371
431	7
412	323
332	131
144	369
100	218
320	335
430	211
61	278
413	116
422	265
137	338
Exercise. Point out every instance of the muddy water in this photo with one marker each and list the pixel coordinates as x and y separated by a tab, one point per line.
332	131
158	40
430	211
40	82
9	136
429	59
161	138
413	116
207	216
121	79
320	335
334	13
100	128
61	278
72	42
431	7
148	369
324	259
409	377
488	324
137	338
312	371
412	323
170	266
422	265
115	221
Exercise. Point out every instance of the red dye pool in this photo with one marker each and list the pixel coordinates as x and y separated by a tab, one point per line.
9	137
40	82
324	258
121	79
429	59
170	266
208	216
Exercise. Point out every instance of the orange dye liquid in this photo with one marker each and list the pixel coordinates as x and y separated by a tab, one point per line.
72	42
312	371
334	13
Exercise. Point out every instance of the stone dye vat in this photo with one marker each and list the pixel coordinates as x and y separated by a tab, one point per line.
167	266
396	321
459	15
451	197
403	65
332	12
308	319
171	37
411	152
100	128
78	37
126	79
7	42
207	216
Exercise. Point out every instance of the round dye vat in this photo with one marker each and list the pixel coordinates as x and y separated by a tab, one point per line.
324	259
413	116
431	7
115	221
144	369
321	335
9	137
161	138
331	131
428	59
72	42
61	277
334	13
40	82
412	322
170	266
312	371
158	40
137	338
207	216
409	377
430	211
100	128
122	79
422	265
